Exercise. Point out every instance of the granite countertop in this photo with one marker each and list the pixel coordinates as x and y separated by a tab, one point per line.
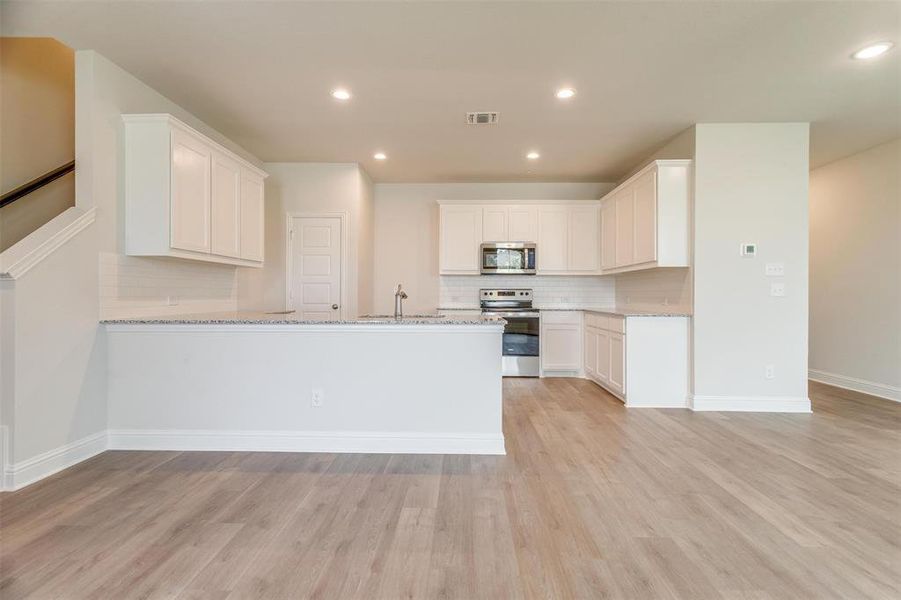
617	310
263	318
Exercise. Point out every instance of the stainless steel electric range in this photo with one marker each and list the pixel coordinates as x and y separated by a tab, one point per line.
521	347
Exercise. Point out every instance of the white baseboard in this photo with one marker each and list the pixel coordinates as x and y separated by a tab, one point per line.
675	404
785	404
29	471
307	441
889	392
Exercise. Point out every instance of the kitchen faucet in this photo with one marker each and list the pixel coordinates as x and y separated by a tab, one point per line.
399	297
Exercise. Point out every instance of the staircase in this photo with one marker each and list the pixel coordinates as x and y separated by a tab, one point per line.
37	135
27	207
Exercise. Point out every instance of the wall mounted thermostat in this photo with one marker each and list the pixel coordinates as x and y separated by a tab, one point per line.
749	250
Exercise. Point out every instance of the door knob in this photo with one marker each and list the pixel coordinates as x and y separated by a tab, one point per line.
334	307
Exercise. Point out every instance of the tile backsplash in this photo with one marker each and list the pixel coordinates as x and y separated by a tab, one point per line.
462	291
135	286
654	289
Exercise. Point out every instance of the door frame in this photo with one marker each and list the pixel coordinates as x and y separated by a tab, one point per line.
342	216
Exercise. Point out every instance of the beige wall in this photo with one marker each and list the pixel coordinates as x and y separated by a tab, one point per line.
48	321
37	130
751	183
406	231
311	188
855	270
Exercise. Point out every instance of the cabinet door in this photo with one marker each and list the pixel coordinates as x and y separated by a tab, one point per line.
225	218
625	223
494	224
584	238
617	362
553	234
608	234
590	350
522	224
645	203
252	216
602	367
561	347
461	235
189	210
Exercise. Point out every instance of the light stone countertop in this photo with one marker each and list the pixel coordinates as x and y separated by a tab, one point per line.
623	312
263	318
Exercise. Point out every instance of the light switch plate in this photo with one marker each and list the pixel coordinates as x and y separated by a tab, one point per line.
777	289
775	269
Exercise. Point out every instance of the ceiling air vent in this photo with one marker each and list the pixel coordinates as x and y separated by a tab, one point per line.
481	118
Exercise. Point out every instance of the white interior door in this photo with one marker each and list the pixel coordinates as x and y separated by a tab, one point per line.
315	268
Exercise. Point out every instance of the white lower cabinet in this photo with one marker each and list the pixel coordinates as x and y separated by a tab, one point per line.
617	378
561	341
642	360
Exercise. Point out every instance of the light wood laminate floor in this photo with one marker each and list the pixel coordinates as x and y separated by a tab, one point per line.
592	501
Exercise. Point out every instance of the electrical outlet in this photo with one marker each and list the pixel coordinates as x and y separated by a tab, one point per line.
316	398
775	269
172	300
777	289
770	371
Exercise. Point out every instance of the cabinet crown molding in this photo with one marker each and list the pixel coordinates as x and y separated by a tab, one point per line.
654	164
514	202
173	121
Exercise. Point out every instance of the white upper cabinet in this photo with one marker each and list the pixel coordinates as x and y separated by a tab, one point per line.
644	221
522	224
226	206
190	201
188	197
502	223
567	234
494	224
644	206
624	234
552	249
584	238
252	216
460	235
608	234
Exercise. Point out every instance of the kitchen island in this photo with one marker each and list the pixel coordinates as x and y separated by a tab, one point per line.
270	382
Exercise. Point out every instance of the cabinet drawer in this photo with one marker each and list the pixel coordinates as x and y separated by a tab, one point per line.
616	324
567	317
595	320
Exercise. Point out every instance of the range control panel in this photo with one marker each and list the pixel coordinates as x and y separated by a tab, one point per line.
508	294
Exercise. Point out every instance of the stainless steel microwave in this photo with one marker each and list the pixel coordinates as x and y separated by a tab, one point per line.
507	258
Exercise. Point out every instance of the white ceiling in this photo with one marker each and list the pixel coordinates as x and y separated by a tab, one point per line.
261	73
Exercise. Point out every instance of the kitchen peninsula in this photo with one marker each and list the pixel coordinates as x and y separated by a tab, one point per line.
255	381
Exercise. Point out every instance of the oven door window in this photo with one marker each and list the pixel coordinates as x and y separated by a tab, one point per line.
520	337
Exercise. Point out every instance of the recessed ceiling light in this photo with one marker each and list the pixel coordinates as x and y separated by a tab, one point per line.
872	51
380	156
340	94
564	93
533	155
